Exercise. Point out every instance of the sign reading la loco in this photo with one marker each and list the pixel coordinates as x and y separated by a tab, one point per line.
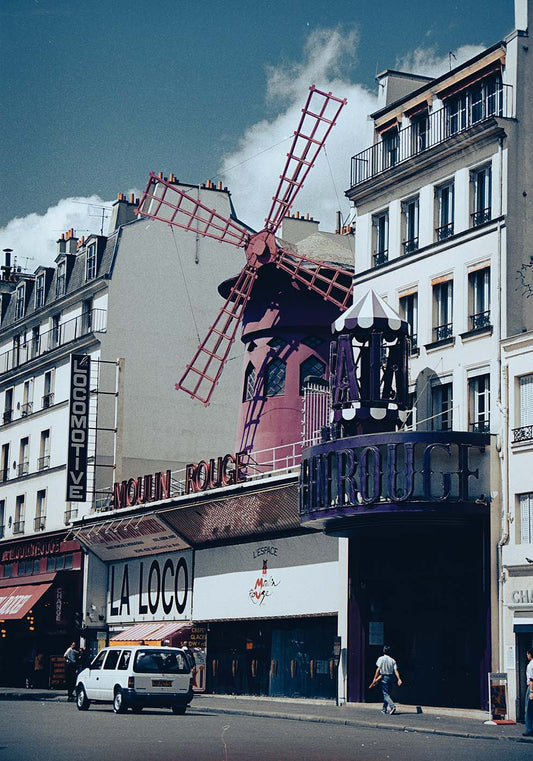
78	427
151	589
347	476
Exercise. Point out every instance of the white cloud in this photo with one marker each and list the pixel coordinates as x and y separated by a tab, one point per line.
33	238
426	62
252	171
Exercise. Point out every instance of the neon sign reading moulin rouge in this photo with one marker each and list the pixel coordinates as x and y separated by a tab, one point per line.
396	468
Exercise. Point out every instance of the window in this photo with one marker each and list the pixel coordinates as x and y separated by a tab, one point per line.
390	141
410	225
61	275
312	366
8	406
39	291
98	661
479	298
380	237
442	310
249	383
486	98
19	301
4	463
16	351
48	396
457	113
124	660
35	341
419	132
44	451
444	196
91	263
481	180
409	313
27	398
277	343
442	407
2	518
40	510
525	410
24	457
526	517
56	329
312	341
479	404
275	377
86	316
20	506
111	660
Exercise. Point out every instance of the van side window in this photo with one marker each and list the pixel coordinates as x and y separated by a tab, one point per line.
111	660
97	663
124	660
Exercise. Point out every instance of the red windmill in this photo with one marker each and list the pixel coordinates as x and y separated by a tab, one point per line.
165	202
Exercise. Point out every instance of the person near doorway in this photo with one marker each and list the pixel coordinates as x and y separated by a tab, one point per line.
528	707
386	670
71	661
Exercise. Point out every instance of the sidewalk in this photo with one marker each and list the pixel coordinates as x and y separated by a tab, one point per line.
441	721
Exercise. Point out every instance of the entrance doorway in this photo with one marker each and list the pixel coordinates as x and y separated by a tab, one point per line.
423	590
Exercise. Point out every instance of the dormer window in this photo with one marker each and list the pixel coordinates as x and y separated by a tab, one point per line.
61	279
39	291
90	267
19	301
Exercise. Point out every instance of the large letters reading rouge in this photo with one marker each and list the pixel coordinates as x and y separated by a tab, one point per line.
222	471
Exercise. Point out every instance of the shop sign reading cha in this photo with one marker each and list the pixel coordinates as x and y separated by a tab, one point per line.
205	475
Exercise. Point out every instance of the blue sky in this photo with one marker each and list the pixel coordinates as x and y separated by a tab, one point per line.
95	95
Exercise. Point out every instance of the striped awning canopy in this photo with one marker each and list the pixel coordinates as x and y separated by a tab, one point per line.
370	311
152	633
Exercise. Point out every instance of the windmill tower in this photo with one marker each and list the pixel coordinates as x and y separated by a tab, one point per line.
266	296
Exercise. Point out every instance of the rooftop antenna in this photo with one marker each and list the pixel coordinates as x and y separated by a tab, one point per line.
26	259
103	209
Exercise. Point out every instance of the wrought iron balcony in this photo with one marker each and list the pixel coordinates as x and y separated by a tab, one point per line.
441	125
480	320
18	527
524	433
23	468
442	332
380	257
480	426
47	401
43	463
410	245
39	523
480	217
26	409
66	332
445	231
7	416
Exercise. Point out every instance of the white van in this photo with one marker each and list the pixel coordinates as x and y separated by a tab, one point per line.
137	676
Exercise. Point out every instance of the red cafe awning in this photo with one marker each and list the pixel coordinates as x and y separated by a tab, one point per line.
153	633
15	602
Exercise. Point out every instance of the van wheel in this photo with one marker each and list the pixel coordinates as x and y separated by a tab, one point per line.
118	701
82	701
179	710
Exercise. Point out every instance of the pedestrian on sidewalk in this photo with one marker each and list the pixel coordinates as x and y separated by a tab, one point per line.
71	662
528	708
386	670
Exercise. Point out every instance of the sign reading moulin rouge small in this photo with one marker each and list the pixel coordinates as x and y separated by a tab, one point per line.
137	491
222	471
78	427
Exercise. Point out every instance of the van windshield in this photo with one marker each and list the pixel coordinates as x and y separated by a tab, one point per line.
160	662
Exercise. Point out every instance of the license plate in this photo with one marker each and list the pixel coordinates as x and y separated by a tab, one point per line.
161	683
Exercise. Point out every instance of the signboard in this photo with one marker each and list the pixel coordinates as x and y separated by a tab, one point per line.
282	577
498	696
138	536
337	642
157	589
78	427
138	491
214	473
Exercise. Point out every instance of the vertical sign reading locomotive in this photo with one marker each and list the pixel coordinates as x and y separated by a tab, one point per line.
78	427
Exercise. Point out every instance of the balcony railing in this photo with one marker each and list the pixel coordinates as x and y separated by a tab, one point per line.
2	531
39	523
23	468
445	231
413	343
47	401
7	417
480	217
442	332
480	426
43	463
410	245
381	257
524	433
93	322
480	320
26	409
71	515
441	126
18	527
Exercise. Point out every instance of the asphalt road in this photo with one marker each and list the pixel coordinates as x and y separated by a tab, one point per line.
55	731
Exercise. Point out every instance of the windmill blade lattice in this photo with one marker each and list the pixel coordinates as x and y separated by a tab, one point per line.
164	200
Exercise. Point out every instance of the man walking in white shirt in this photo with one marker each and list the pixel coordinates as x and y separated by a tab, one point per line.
386	670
